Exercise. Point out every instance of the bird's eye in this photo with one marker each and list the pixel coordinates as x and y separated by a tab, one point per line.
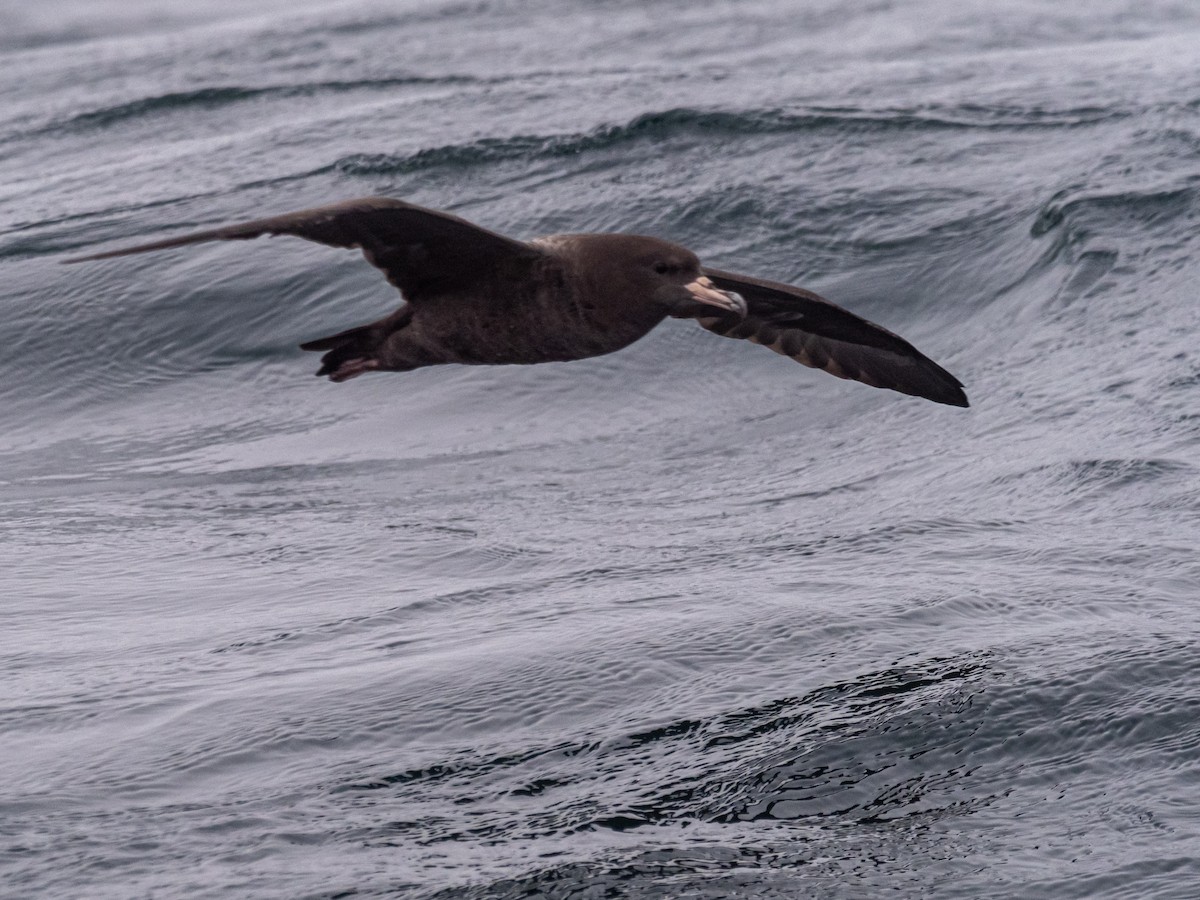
663	268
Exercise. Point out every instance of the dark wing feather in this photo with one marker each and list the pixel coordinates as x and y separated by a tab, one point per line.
422	251
817	333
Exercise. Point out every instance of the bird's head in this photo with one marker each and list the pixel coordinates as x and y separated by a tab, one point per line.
681	286
665	275
677	283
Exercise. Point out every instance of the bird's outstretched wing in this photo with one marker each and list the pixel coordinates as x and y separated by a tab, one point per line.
820	334
423	252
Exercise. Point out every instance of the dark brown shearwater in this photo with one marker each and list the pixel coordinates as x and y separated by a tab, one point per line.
476	297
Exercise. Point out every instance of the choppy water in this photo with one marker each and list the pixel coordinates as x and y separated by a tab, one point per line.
685	621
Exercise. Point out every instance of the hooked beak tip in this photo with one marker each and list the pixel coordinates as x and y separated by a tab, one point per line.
704	291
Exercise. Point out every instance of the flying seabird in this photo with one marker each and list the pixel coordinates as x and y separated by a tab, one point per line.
477	297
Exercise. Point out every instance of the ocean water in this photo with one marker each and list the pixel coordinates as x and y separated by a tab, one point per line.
689	620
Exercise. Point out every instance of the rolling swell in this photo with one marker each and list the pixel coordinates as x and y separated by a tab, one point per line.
208	98
680	123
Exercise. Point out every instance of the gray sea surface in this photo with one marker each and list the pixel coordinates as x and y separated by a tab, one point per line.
685	621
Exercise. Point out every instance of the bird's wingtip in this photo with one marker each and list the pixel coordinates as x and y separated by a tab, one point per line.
950	395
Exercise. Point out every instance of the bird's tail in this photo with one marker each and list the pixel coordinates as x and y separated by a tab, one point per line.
350	353
354	351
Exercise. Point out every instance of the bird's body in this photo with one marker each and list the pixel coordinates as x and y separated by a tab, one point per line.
478	298
536	309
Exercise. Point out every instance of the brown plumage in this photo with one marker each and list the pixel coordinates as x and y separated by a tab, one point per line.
477	297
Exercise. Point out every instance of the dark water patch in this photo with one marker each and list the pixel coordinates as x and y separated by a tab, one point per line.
678	791
714	769
852	759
